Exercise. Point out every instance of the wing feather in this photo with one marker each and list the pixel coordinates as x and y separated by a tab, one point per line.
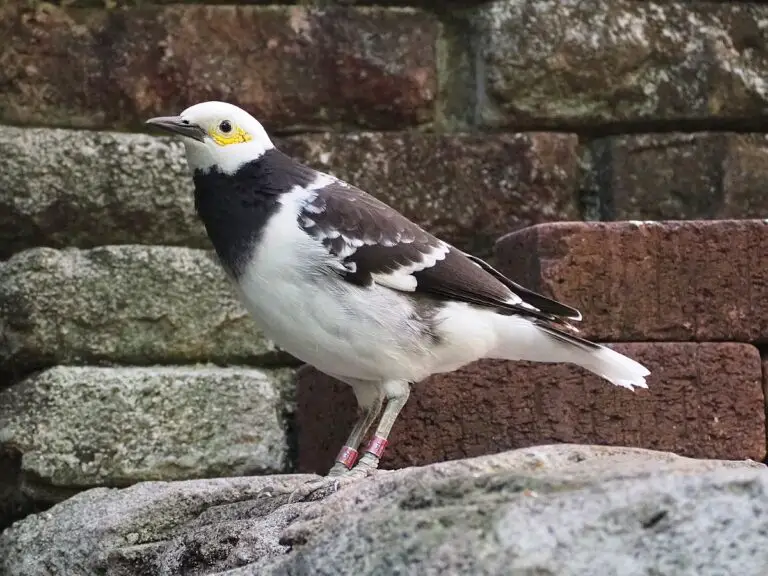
537	300
375	243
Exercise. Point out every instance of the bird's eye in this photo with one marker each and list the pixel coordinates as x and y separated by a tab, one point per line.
225	127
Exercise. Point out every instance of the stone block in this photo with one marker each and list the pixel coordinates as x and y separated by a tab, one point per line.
603	66
464	188
639	281
437	5
703	400
122	305
568	510
82	188
73	428
62	188
679	176
293	67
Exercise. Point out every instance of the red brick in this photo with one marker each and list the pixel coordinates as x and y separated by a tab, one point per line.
468	189
684	281
704	400
679	176
293	67
427	4
765	399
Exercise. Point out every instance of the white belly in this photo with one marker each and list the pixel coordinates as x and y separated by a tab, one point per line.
346	334
300	302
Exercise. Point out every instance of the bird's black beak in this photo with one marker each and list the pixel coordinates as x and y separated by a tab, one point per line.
176	125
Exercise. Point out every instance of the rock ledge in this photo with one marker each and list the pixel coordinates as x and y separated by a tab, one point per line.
560	509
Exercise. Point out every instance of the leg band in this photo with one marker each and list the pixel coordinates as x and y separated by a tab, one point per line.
347	457
376	446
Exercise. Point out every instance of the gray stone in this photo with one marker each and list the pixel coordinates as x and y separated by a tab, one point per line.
61	188
109	526
602	66
122	304
562	510
70	428
79	427
80	188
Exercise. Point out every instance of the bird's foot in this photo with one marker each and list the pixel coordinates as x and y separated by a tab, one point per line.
366	466
316	489
337	477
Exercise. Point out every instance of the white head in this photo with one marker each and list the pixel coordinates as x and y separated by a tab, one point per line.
217	134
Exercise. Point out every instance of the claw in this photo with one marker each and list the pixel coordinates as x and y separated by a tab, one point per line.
316	489
365	467
338	476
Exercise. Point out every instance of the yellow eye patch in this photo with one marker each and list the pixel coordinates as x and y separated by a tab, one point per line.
236	136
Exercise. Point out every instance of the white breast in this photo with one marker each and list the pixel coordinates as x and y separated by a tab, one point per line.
294	295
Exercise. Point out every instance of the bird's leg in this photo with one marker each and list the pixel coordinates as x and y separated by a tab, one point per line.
369	400
397	396
348	454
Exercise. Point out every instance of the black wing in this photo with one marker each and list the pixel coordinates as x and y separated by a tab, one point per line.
375	243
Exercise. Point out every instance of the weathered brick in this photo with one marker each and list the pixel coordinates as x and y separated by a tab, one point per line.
80	427
292	67
765	396
167	421
438	5
137	305
467	189
704	400
426	4
83	188
639	281
679	176
602	66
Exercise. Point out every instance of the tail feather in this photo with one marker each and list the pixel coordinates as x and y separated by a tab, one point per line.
616	368
523	339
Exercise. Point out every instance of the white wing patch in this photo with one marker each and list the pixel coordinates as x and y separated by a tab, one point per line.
403	279
347	250
516	300
350	243
343	245
356	242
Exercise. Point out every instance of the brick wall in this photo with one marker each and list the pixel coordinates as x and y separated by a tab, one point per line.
476	119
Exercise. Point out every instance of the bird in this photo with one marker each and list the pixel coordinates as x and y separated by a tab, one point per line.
345	283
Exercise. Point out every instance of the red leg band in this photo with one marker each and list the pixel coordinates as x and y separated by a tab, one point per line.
376	446
347	456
